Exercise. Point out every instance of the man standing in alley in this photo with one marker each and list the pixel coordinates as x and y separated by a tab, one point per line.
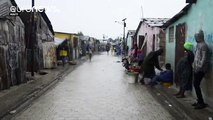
201	64
107	48
90	53
63	55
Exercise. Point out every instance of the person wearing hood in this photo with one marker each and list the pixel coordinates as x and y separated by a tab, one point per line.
150	62
201	64
184	70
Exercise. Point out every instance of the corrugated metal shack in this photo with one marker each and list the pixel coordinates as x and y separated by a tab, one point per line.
61	43
44	38
12	47
46	34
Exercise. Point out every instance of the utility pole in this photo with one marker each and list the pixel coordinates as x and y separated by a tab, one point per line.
32	37
124	40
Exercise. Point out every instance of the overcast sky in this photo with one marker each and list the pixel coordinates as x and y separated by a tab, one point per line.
97	17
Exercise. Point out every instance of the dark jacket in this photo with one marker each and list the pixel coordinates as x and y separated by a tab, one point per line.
184	71
149	64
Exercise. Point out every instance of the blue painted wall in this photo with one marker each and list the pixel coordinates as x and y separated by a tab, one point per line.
199	16
170	46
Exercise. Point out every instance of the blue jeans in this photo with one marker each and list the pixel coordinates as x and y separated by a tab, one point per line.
63	60
155	80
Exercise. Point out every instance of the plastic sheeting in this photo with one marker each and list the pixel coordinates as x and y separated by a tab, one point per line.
58	41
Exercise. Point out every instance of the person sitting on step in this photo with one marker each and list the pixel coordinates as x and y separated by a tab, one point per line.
164	76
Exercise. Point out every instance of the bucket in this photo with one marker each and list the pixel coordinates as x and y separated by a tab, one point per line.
131	80
167	84
136	78
133	77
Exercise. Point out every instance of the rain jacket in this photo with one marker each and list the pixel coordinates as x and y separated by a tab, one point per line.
149	64
63	53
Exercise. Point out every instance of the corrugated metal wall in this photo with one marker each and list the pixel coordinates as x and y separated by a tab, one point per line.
12	53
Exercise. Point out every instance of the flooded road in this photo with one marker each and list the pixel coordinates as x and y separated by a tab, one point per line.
96	90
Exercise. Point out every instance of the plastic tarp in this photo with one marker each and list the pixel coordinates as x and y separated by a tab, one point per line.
58	41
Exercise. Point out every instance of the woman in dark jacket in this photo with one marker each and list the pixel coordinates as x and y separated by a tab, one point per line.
184	70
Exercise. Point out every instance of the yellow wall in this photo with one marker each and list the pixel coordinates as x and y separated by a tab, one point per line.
62	35
68	36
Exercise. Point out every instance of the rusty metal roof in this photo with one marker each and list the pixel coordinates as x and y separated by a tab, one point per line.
155	22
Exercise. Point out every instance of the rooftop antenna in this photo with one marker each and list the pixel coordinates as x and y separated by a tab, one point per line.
142	13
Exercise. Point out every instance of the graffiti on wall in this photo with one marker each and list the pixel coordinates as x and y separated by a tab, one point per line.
208	38
209	41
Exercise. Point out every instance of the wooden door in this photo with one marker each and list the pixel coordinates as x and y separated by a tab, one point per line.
141	40
180	36
162	37
153	43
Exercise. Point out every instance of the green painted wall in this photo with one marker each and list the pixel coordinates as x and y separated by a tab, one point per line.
199	16
170	46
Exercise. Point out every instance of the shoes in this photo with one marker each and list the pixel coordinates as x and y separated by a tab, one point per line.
142	82
176	94
151	85
200	106
180	96
195	104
